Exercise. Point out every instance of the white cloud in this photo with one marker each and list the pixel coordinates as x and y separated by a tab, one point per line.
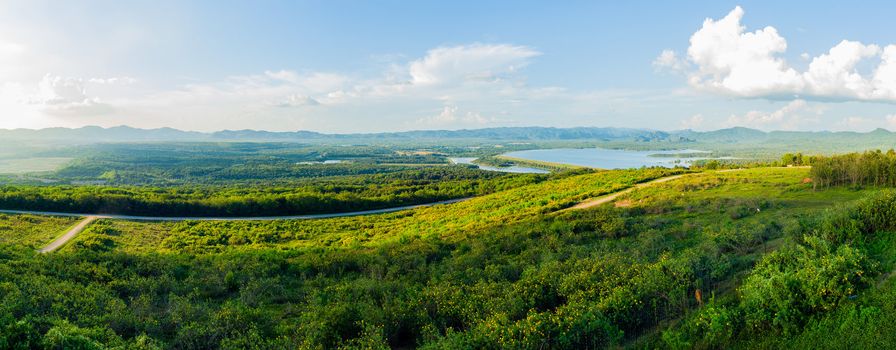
669	60
834	73
741	63
885	75
450	116
482	78
733	61
476	62
113	81
66	96
787	117
298	100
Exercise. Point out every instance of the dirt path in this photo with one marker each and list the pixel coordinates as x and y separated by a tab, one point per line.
593	202
62	240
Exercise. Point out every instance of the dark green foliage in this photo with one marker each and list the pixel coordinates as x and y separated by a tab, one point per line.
407	187
572	281
856	169
791	293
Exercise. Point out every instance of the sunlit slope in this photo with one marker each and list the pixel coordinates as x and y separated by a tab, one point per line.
451	222
32	231
487	273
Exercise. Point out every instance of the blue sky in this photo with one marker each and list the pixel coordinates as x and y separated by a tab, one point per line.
353	66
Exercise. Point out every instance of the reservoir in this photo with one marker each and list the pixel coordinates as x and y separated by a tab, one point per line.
611	158
509	169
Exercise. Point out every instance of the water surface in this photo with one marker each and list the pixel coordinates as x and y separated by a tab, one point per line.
610	158
509	169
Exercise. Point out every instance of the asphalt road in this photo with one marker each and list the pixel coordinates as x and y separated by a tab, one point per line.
230	218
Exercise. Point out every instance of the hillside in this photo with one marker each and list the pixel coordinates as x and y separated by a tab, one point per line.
505	270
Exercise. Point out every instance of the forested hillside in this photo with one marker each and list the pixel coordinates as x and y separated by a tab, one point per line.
506	270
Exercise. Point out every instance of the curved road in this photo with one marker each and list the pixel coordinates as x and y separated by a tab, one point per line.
89	218
231	218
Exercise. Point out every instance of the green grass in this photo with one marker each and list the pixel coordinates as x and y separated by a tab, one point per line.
784	185
505	270
452	222
125	236
33	231
772	190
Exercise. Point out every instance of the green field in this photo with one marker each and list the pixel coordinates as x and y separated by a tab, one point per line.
32	231
504	270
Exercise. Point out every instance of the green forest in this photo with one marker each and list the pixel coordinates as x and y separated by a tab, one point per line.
333	195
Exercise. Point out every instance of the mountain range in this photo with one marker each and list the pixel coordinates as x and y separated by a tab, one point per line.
95	134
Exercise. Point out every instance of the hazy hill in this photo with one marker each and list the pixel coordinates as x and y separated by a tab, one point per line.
738	137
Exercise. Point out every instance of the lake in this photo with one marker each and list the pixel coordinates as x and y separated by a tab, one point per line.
509	169
610	158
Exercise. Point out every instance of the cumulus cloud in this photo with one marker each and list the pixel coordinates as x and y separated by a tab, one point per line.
730	60
113	81
476	62
298	100
485	79
787	117
668	60
450	116
66	95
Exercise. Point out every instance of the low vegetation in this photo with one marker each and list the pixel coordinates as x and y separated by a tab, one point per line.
505	270
339	194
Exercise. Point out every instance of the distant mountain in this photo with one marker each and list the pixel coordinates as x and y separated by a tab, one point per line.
737	135
730	135
94	134
529	133
259	135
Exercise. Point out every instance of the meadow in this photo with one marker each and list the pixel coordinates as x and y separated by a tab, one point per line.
510	269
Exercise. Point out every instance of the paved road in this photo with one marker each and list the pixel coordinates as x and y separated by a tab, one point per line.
62	240
231	218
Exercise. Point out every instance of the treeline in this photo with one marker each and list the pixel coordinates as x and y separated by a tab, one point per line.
334	195
872	168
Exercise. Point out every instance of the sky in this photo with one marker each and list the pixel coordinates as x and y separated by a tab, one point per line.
370	66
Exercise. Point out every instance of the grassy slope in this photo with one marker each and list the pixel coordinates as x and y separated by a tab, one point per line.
452	222
32	230
477	244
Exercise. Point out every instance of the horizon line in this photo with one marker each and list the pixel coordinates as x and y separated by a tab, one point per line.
123	126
